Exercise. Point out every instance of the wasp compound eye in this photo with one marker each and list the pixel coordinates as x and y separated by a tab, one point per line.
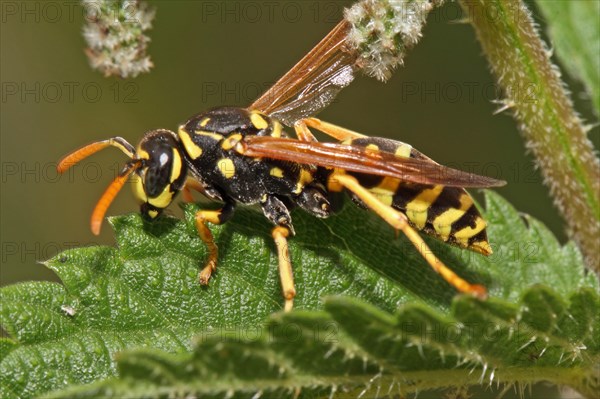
158	173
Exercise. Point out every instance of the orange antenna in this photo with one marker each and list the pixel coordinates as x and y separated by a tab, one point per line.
90	149
109	195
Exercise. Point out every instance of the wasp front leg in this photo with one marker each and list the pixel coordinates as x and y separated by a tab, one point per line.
215	217
191	184
276	211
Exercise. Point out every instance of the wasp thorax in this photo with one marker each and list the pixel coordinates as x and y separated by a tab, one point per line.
161	173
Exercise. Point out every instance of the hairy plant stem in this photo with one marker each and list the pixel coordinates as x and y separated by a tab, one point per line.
410	382
552	130
416	381
388	384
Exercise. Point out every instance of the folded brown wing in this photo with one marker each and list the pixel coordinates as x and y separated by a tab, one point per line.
363	160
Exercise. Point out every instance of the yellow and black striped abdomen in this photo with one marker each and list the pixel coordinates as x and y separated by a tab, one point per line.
447	213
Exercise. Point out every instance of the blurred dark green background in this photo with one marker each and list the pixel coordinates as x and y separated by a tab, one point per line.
222	53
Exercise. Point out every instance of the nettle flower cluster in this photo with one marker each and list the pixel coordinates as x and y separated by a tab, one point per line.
115	36
382	30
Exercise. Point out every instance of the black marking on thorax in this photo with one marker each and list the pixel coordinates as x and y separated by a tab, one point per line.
218	165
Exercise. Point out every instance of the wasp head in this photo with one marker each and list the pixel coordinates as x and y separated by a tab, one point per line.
157	165
161	172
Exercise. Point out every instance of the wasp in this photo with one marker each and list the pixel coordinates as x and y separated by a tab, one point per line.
243	156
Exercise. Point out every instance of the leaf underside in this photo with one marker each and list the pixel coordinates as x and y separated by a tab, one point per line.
132	321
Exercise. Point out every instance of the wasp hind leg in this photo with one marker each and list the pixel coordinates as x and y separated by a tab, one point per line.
303	132
215	217
276	211
337	132
400	222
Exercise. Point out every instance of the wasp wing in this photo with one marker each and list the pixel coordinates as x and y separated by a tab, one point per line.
313	82
363	160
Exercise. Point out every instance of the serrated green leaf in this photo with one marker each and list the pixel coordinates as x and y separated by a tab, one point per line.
354	347
144	296
574	29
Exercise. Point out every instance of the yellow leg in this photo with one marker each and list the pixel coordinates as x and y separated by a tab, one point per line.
202	217
187	194
191	184
399	221
337	132
303	133
286	275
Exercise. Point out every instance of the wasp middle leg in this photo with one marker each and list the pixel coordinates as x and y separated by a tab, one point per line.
276	211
